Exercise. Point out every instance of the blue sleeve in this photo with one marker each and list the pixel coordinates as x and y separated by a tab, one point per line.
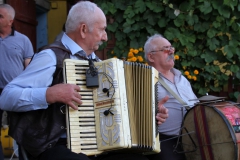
28	49
28	91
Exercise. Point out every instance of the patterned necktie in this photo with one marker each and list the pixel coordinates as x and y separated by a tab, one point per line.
82	55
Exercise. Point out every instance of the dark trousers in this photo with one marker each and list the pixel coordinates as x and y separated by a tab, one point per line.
120	156
61	152
58	152
167	150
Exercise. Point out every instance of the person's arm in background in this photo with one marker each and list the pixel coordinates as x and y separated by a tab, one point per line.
28	52
31	89
26	62
28	91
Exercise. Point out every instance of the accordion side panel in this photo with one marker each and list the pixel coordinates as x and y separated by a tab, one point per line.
154	79
113	129
81	131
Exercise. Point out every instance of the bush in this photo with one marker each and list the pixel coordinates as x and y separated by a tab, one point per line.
205	34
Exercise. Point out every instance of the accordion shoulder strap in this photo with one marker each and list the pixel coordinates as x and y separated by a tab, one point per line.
171	91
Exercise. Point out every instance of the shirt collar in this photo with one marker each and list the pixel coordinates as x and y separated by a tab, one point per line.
174	71
74	47
12	32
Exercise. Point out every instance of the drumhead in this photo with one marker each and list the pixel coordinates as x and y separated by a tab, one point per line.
208	135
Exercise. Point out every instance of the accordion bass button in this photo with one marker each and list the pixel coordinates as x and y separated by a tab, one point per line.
62	127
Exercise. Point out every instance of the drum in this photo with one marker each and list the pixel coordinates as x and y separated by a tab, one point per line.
9	145
212	132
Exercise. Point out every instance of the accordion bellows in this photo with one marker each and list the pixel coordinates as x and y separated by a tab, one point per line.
127	91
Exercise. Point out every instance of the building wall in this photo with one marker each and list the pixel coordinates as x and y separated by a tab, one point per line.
42	8
56	18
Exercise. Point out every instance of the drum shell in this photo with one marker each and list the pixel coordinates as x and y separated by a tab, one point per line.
211	129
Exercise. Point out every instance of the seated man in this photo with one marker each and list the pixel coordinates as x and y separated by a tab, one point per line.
160	54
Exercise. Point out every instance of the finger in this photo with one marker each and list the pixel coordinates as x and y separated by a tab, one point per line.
73	105
162	115
77	101
160	120
76	87
162	101
163	109
77	95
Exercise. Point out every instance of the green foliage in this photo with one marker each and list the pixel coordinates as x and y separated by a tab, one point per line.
205	34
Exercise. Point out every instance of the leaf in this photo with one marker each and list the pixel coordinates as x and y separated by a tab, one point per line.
206	7
134	44
183	39
212	43
223	11
228	50
186	5
201	27
120	36
191	19
152	20
120	5
129	12
127	29
216	24
179	21
171	33
155	7
162	22
237	74
211	33
234	68
112	27
139	6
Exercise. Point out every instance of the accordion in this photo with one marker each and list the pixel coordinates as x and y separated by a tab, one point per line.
117	115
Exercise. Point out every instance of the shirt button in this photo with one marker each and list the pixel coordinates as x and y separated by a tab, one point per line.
50	145
62	127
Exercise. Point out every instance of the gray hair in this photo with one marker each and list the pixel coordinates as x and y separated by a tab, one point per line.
149	46
10	10
81	12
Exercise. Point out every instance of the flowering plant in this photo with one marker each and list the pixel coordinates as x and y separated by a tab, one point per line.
205	34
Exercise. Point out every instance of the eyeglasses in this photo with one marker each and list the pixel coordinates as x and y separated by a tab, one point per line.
166	49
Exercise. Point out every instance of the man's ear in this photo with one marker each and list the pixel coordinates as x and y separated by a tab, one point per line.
83	30
10	22
150	57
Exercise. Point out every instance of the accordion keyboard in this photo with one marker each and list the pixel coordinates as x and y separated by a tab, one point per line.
81	122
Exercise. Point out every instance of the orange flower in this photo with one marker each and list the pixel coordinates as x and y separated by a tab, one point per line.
176	57
131	50
130	54
194	78
196	72
133	59
135	51
186	73
140	49
140	59
189	77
